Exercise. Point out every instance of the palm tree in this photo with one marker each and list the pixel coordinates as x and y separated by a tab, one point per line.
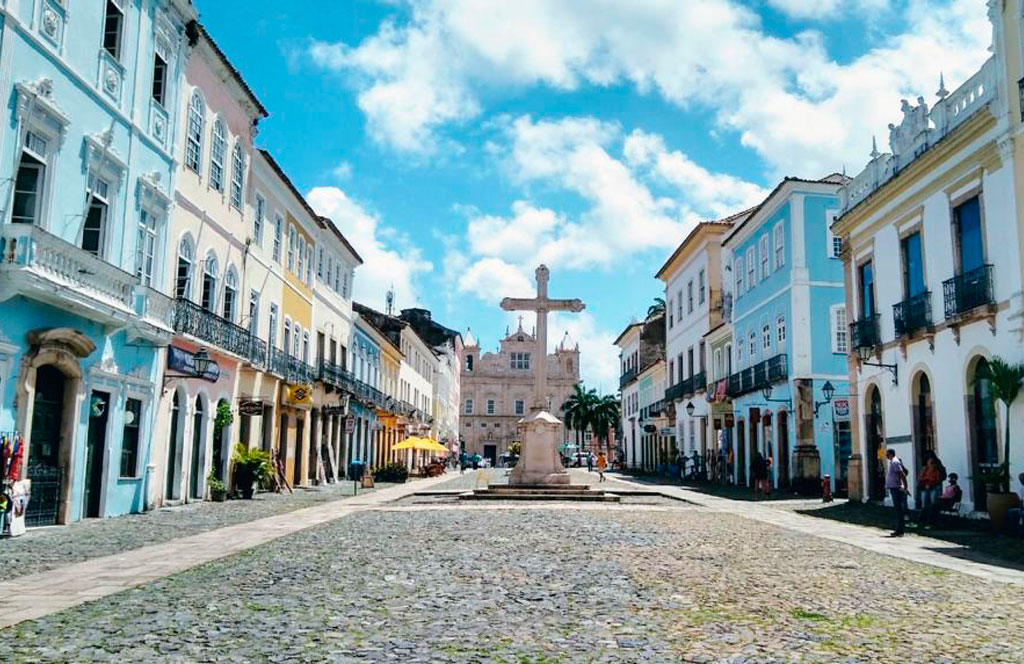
578	410
604	417
657	308
1004	383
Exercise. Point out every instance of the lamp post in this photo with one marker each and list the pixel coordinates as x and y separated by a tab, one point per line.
201	362
690	408
864	354
829	391
766	392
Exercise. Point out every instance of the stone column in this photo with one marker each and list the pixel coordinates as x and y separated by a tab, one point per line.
808	460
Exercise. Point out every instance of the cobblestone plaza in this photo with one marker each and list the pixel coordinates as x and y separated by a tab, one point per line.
429	580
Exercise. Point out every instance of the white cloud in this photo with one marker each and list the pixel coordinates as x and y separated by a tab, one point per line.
389	259
821	9
786	98
343	171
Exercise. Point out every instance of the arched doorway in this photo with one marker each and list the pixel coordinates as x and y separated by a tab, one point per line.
783	461
924	427
198	449
874	431
174	444
221	438
983	430
44	464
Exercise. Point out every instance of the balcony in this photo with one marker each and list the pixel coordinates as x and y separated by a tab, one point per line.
627	377
913	314
291	369
700	383
864	333
43	267
968	291
762	374
192	319
657	408
154	317
674	393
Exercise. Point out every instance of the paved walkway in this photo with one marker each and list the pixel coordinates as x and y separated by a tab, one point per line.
40	594
914	548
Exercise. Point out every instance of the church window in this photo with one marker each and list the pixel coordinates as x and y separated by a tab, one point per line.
520	407
469	363
490	406
469	406
520	361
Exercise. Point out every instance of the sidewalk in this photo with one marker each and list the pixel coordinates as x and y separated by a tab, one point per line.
914	548
40	594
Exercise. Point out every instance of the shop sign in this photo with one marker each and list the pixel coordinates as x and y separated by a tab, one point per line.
183	361
250	407
299	395
350	424
841	409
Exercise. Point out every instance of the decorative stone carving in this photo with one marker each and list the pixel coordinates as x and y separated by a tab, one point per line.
50	23
111	81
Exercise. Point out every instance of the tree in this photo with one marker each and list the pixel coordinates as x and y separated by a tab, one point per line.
657	308
1004	382
578	410
604	417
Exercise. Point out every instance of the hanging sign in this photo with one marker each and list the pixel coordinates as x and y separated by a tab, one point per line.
299	395
250	407
350	424
841	409
183	361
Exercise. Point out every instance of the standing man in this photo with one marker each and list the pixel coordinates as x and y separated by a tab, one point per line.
896	485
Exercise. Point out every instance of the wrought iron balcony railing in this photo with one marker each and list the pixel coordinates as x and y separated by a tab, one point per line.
627	377
190	318
912	314
762	374
674	392
291	369
968	291
700	382
656	408
864	333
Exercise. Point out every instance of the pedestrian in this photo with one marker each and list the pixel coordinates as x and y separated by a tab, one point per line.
602	463
896	485
929	481
950	498
463	462
590	462
759	471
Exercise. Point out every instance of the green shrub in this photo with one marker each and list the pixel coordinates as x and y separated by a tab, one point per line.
393	472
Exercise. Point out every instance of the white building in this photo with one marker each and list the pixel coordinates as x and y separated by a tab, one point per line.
647	434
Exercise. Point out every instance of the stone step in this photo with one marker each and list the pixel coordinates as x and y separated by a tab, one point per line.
590	496
565	488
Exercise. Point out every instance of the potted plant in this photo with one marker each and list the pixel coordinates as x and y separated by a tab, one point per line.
252	468
218	490
1004	382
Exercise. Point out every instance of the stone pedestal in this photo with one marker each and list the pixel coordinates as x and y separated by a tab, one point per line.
808	470
854	481
539	461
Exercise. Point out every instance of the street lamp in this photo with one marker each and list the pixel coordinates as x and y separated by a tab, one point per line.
864	354
766	392
690	408
829	391
201	362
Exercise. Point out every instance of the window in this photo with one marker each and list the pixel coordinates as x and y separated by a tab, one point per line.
751	269
679	306
278	237
208	299
718	364
183	278
837	246
469	407
672	372
671	314
292	239
727	356
780	245
309	265
490	406
765	249
469	363
218	146
296	340
302	255
766	337
194	135
701	286
145	248
840	343
159	79
130	440
320	263
867	289
337	278
287	336
230	294
520	361
113	21
305	347
257	220
254	312
753	346
237	176
689	296
780	328
970	249
272	326
520	407
689	360
739	353
913	265
738	267
28	183
94	230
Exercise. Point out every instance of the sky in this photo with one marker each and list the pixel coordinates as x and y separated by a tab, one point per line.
460	143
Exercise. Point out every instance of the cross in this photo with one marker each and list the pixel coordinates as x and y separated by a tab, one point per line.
541	305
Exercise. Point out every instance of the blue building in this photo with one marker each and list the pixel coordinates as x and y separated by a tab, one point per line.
790	337
364	363
87	146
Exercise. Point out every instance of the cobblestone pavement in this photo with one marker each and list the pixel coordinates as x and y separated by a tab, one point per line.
532	585
46	548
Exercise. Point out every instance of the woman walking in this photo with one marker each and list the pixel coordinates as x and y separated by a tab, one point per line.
602	463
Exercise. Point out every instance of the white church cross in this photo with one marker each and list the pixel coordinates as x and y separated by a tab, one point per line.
541	305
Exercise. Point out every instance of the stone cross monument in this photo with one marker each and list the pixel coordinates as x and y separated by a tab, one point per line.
539	463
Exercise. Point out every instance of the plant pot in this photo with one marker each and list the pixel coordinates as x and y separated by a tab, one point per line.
999	503
248	491
218	495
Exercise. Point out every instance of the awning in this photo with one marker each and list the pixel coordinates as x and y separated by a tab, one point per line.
421	444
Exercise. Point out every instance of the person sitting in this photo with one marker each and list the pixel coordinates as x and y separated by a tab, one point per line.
950	498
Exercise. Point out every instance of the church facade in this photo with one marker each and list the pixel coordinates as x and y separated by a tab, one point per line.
497	388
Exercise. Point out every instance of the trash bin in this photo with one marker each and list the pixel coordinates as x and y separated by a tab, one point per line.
356	470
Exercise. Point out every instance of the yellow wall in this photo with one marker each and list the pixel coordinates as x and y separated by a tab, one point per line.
297	297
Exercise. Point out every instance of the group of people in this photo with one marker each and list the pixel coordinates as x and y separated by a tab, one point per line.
600	461
934	497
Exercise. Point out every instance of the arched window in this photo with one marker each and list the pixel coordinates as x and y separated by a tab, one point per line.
194	133
291	247
208	300
230	294
287	336
309	265
753	346
183	278
218	146
237	176
780	328
302	255
766	337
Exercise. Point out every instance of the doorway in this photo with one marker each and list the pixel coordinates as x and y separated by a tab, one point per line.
783	460
741	453
44	464
221	436
985	447
99	413
297	470
173	449
198	435
875	433
491	453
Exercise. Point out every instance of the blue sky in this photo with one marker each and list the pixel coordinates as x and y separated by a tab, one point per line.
458	143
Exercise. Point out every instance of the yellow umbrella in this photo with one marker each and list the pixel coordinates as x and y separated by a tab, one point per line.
422	444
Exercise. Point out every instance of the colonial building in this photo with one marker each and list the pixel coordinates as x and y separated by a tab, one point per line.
932	255
648	436
447	347
89	138
497	388
789	331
